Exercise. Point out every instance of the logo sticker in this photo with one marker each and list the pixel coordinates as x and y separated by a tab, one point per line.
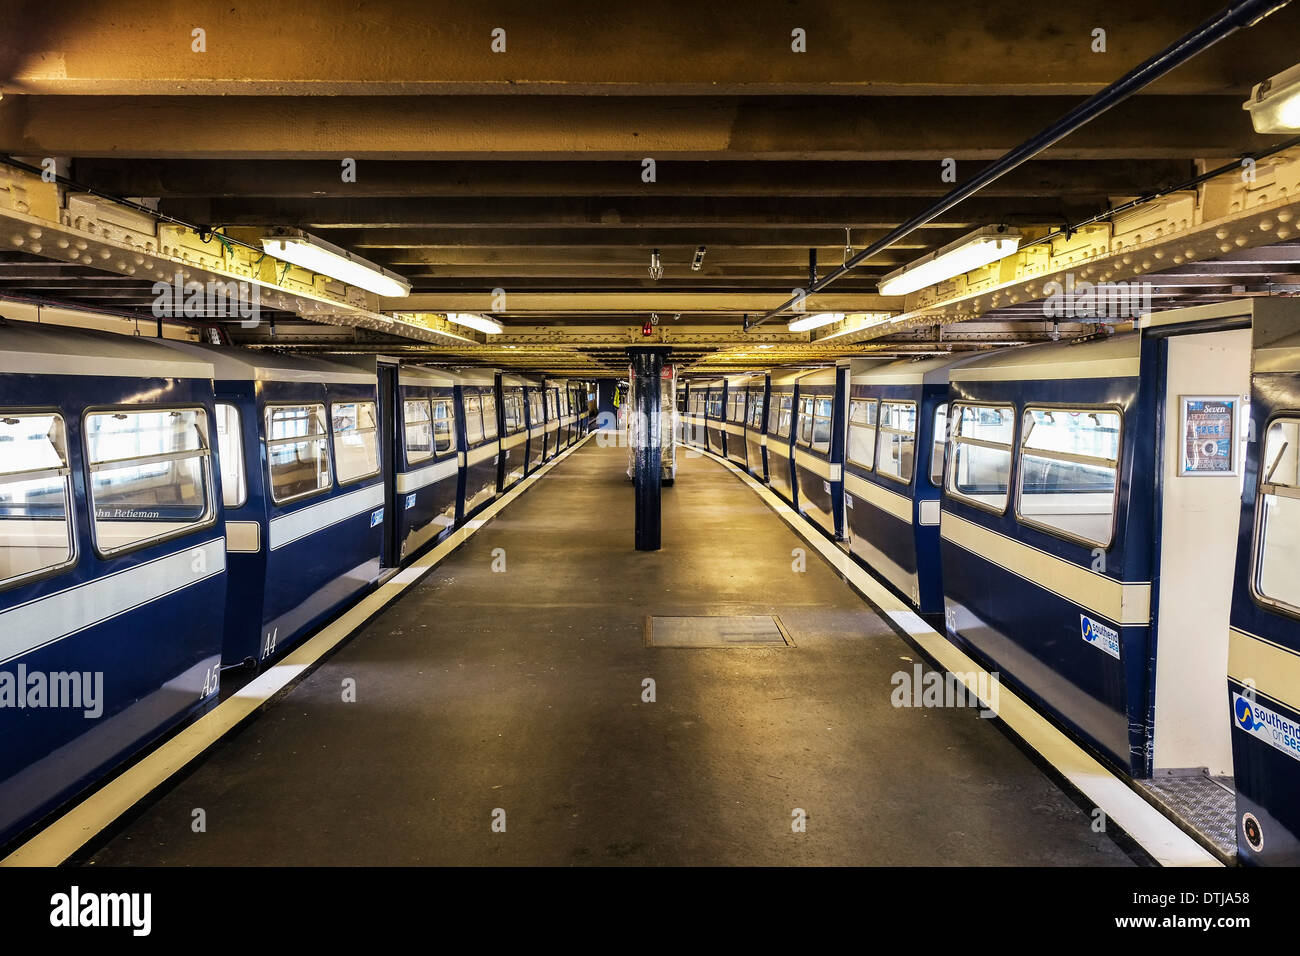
1268	725
410	502
1252	831
376	517
1099	635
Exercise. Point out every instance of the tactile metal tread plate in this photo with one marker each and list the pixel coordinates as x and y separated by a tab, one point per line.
1203	803
759	630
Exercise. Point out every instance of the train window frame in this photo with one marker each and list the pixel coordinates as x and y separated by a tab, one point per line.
1262	487
872	401
415	459
823	446
935	441
354	479
954	438
89	467
268	441
238	444
448	403
69	499
881	431
1023	436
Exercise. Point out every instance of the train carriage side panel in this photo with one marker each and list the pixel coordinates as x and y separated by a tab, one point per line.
480	442
428	468
112	560
514	430
535	400
1063	615
734	418
817	444
755	426
781	427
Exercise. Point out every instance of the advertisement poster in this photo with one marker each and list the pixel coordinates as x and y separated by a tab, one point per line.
1209	436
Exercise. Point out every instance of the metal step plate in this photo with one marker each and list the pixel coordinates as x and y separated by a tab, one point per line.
1206	804
762	630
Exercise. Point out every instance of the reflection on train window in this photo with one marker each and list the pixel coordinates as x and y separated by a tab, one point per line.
715	404
736	409
1277	548
981	455
551	412
489	414
1069	460
821	424
756	410
473	419
938	445
148	475
783	411
896	453
419	430
513	410
297	450
444	427
356	440
535	408
230	453
862	432
803	427
35	510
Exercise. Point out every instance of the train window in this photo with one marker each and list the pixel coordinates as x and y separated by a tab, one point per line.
738	406
862	432
513	409
1277	545
981	459
756	410
783	411
1069	461
444	427
356	440
230	452
149	475
489	415
896	444
551	413
35	497
297	451
473	419
804	427
821	425
419	430
939	442
535	408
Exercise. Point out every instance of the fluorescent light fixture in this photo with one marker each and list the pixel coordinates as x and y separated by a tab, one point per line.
815	321
1274	105
979	248
474	321
310	252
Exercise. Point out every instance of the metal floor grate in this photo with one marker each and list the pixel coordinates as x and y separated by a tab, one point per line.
1207	804
738	631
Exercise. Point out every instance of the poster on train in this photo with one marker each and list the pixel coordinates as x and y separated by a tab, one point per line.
1209	435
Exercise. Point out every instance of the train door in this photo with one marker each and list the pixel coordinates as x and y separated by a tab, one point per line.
390	556
1206	379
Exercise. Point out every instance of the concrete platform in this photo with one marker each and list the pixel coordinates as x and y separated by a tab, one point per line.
522	690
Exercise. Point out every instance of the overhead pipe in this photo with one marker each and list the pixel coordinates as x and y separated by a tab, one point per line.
1236	16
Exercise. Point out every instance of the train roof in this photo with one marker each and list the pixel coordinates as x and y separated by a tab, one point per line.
423	375
1113	357
233	364
40	349
928	371
821	376
745	381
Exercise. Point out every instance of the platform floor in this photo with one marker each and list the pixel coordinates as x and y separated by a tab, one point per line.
522	690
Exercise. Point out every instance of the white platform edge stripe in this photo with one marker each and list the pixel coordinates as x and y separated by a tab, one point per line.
1152	830
408	481
296	525
70	832
1123	602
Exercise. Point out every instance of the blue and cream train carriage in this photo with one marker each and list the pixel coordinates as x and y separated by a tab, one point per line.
112	555
733	417
893	472
754	428
817	452
427	472
514	430
480	443
303	491
782	387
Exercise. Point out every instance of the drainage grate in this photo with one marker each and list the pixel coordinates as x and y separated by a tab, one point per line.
740	631
1202	802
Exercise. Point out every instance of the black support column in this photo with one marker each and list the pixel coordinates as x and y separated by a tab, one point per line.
647	449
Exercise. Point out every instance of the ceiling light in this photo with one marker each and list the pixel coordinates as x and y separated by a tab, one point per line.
474	321
1274	105
765	346
310	252
979	248
815	321
656	267
867	320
